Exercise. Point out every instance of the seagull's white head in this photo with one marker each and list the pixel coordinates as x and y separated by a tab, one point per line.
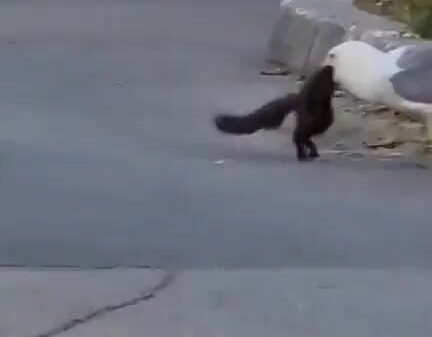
356	68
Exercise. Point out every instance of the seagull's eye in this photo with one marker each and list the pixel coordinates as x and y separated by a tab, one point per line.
332	55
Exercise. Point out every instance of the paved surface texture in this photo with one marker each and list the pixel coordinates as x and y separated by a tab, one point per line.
107	153
329	302
35	302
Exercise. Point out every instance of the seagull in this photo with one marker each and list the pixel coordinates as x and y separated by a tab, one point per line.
400	79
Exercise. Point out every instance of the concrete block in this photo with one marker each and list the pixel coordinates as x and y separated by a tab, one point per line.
307	29
328	35
300	39
278	38
285	45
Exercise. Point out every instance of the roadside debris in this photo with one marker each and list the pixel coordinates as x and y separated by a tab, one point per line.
356	156
387	143
274	69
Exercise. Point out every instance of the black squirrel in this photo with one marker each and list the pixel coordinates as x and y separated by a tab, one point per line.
312	105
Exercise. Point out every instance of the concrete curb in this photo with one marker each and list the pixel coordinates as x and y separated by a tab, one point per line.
302	56
307	29
322	24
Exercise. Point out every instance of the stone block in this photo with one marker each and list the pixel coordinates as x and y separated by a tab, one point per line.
292	38
328	35
300	39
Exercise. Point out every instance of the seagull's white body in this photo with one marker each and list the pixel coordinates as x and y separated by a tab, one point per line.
377	77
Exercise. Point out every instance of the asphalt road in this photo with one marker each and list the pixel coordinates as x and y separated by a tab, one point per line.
108	155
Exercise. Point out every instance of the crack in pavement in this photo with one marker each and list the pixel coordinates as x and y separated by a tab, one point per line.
76	266
149	294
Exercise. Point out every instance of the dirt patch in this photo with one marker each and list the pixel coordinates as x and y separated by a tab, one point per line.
379	132
362	130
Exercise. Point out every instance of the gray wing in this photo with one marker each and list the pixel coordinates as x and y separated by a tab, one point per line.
415	57
414	85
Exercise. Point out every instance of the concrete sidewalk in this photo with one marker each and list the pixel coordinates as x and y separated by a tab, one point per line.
139	302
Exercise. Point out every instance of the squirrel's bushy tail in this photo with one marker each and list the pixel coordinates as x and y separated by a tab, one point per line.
269	116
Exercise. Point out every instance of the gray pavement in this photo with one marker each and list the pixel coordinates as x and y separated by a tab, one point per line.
107	149
35	302
323	302
108	158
